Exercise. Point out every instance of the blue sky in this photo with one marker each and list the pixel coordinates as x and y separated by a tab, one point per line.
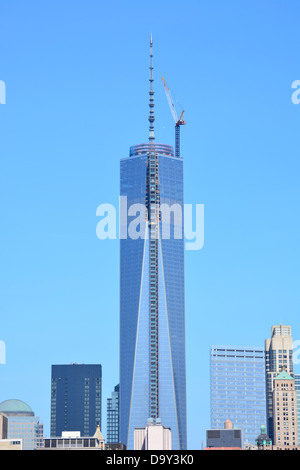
76	75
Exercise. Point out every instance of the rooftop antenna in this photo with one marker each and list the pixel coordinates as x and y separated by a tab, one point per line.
151	98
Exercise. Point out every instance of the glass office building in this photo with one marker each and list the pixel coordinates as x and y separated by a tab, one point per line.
237	388
112	415
22	424
152	310
76	398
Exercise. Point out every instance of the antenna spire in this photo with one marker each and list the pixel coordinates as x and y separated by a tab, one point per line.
151	118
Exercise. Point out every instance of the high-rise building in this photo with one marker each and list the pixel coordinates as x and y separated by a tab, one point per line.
152	299
297	388
279	355
112	416
285	425
22	424
237	388
76	398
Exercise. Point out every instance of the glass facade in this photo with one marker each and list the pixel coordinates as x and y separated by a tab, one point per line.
113	417
152	310
76	398
28	428
237	389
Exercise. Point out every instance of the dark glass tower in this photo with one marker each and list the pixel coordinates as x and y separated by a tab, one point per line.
113	417
152	300
76	398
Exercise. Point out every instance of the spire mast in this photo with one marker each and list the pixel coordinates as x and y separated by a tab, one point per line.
151	118
152	197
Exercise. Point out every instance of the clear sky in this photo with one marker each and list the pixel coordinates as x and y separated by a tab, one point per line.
76	75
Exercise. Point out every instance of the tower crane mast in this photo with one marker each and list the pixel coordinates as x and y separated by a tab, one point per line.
178	121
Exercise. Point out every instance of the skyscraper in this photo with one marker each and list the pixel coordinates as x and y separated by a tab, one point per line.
279	355
152	299
297	388
238	388
285	423
76	398
113	417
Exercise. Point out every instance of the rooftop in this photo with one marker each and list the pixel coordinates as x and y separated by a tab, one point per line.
284	376
143	149
15	407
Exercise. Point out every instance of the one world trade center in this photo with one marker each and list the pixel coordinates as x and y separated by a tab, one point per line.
152	298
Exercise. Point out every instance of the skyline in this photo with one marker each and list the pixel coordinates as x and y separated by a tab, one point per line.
69	84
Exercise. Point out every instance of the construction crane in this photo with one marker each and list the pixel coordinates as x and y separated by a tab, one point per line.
178	121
